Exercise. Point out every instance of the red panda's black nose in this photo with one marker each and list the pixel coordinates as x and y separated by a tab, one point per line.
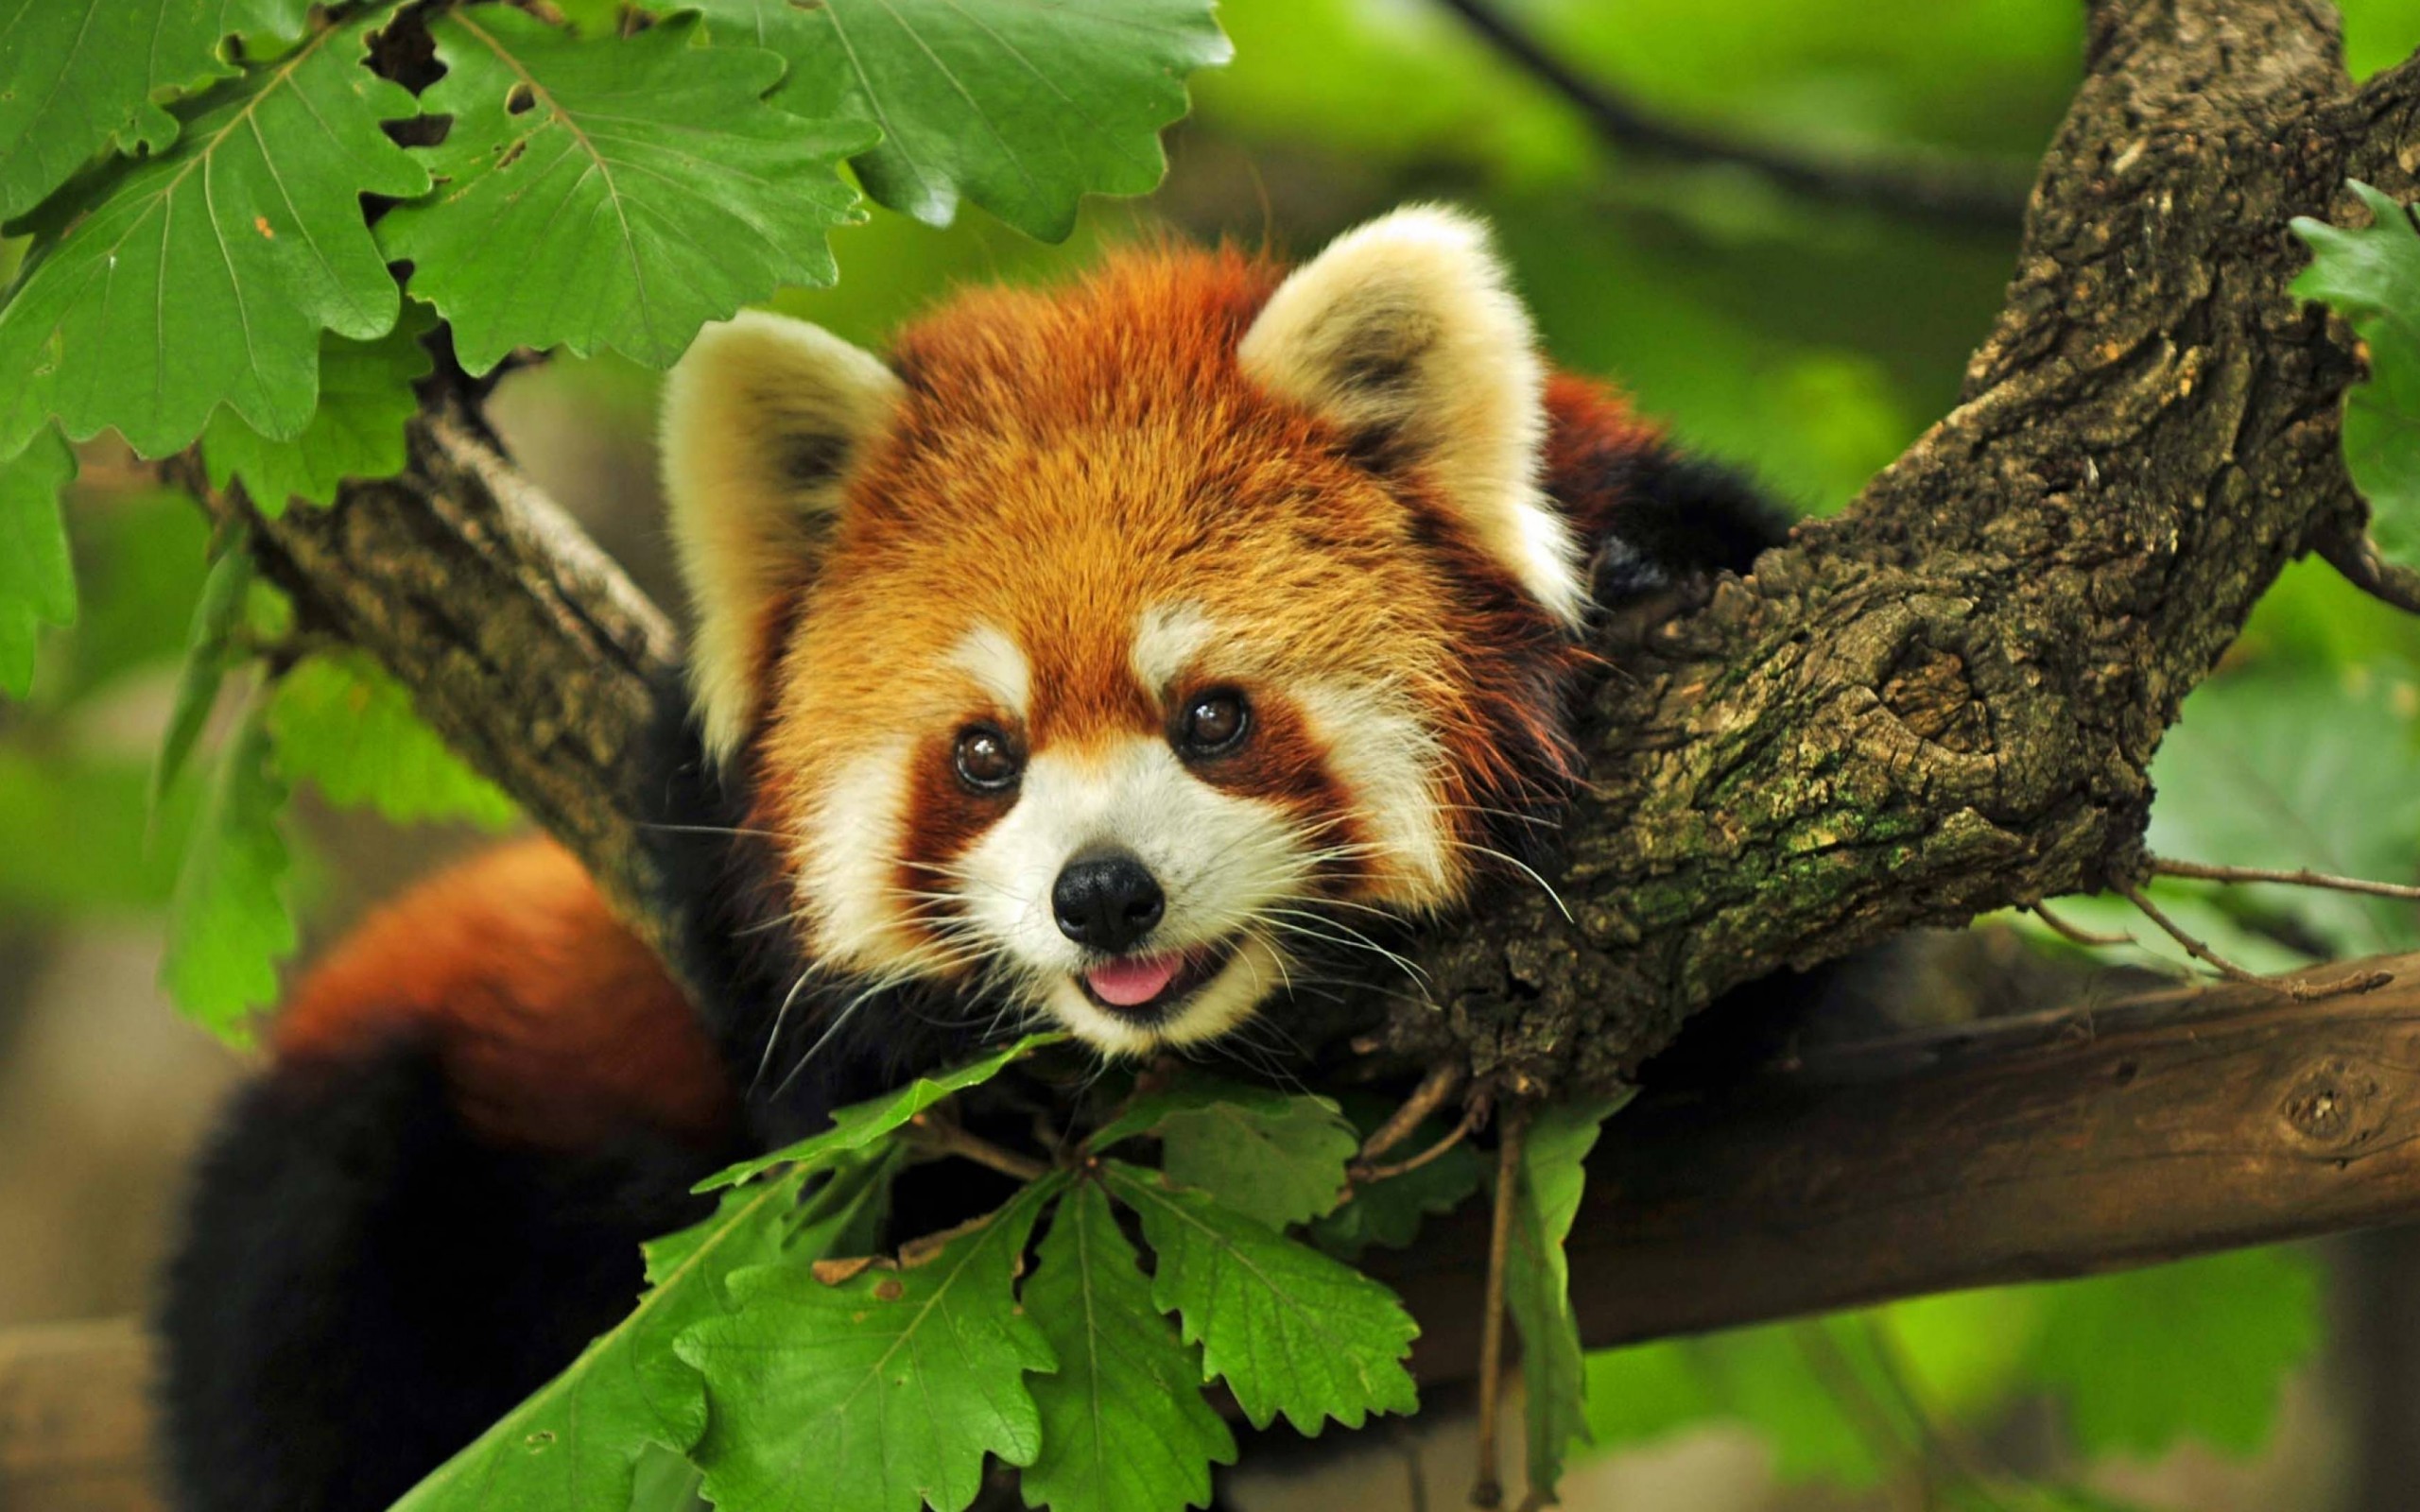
1106	901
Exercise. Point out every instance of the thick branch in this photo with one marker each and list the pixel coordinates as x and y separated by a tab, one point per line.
2096	1137
1945	701
522	644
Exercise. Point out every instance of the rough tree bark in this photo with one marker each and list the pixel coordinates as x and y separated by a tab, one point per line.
1941	702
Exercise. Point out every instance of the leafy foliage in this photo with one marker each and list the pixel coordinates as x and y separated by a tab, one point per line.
686	194
2371	276
879	1393
211	653
576	1445
2197	1350
1290	1330
205	274
343	723
1124	1427
37	580
1280	1158
1537	1279
855	1128
1022	107
2141	1362
228	922
77	76
357	432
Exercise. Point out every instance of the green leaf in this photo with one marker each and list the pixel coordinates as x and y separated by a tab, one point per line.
577	1444
1023	108
342	722
1290	1330
80	77
2372	277
37	576
1277	1157
357	432
228	922
1124	1425
206	274
880	1393
2200	1351
210	655
857	1126
611	192
1537	1279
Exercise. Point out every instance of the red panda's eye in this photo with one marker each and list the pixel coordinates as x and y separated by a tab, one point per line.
987	761
1213	722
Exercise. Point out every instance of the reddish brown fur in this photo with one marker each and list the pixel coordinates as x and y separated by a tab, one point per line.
1066	460
1063	460
553	1023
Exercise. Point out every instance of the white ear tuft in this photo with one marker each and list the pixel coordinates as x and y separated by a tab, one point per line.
1403	331
763	419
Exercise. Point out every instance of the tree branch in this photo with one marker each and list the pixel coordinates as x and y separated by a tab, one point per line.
2098	1136
522	644
1945	699
1958	194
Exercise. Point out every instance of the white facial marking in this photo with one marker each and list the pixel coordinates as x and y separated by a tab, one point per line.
1389	762
993	660
845	859
1167	638
1221	861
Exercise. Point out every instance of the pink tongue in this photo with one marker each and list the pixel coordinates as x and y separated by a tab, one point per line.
1134	980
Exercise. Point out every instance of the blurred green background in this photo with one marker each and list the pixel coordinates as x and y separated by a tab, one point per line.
1808	341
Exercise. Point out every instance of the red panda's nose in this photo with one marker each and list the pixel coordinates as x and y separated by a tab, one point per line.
1106	900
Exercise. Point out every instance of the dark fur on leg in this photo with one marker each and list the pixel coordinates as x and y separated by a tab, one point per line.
365	1286
1679	516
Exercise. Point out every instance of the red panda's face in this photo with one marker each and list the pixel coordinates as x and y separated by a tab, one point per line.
1116	650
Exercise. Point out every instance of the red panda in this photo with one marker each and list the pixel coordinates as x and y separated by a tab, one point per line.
1095	659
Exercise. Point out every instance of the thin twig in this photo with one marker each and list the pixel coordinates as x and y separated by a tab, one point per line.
2300	991
1362	1175
940	1137
1488	1490
1424	1099
2203	871
2356	560
1969	195
2077	932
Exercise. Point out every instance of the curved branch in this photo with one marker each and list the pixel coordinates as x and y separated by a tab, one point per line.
1944	701
1965	194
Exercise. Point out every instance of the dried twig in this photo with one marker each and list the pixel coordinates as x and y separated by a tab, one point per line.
1964	194
2077	932
2301	991
2201	871
942	1137
1470	1118
2356	558
1488	1489
1424	1099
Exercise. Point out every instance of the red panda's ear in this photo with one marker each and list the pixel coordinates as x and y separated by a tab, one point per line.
763	419
1403	331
